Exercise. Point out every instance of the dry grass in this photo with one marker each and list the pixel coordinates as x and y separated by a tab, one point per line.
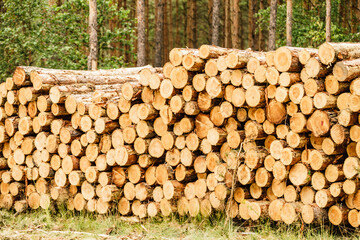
70	225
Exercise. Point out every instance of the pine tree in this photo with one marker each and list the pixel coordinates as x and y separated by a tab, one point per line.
289	20
93	51
141	41
272	27
328	20
215	22
159	33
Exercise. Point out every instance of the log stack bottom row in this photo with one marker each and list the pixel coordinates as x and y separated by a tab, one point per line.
251	134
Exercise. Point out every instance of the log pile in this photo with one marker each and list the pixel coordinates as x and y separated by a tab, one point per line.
253	134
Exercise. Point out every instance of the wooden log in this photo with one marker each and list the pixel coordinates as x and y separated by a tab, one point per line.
236	78
255	62
350	186
237	97
272	76
313	86
212	161
210	51
245	175
254	130
124	105
180	77
248	81
319	160
167	207
290	156
307	53
145	74
289	212
282	94
334	173
239	58
324	100
260	74
255	96
225	76
329	52
167	68
350	166
320	122
336	190
214	87
298	174
257	209
176	54
199	82
318	181
353	218
314	68
333	86
344	100
323	198
41	77
346	70
254	158
189	93
275	209
331	148
275	112
313	214
269	56
286	59
307	195
347	118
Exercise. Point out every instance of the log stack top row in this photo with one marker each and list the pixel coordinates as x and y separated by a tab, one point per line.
251	134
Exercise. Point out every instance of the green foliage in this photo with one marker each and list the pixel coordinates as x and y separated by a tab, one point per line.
308	25
21	34
115	39
33	33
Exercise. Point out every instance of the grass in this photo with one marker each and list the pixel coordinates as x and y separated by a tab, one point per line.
72	225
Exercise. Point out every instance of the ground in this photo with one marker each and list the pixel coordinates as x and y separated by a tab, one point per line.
70	225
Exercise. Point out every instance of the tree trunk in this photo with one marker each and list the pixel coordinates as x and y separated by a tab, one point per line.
343	13
159	33
328	20
132	42
261	31
177	36
147	30
166	34
251	34
356	15
93	51
242	35
227	24
272	27
289	13
191	23
235	23
141	53
210	20
170	26
215	23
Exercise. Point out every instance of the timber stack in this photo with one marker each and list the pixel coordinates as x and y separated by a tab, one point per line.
252	134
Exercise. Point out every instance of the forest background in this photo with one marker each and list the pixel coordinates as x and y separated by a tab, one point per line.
55	33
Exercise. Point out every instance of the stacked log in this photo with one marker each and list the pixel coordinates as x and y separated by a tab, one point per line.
251	134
